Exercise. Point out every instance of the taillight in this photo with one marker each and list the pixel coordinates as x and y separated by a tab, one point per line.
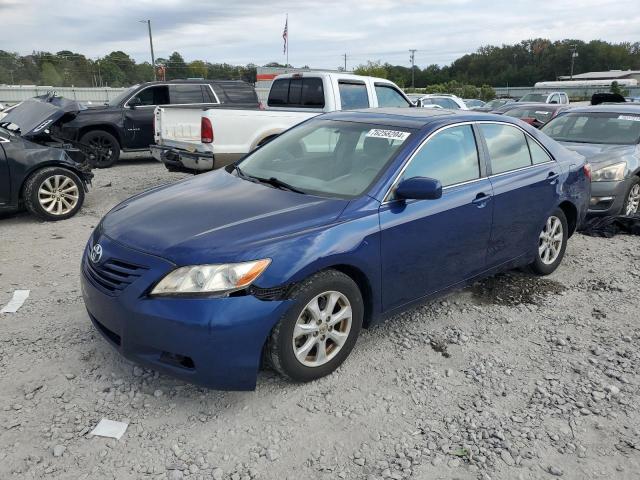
587	170
206	130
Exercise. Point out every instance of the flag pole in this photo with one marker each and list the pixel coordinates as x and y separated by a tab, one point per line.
287	39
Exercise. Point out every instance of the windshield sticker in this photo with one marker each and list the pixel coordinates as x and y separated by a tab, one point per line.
390	134
629	117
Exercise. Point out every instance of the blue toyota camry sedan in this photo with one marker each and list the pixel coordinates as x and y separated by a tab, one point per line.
336	224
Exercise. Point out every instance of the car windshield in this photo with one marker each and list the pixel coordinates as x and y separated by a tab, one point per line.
595	127
534	97
326	157
531	112
495	103
121	96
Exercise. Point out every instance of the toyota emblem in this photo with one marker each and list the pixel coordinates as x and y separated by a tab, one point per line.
96	253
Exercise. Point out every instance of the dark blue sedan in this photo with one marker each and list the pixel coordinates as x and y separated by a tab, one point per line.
338	223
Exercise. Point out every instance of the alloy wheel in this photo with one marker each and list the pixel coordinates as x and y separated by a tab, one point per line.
633	200
103	148
58	194
551	238
322	329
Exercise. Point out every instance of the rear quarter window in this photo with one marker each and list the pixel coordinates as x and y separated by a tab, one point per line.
185	94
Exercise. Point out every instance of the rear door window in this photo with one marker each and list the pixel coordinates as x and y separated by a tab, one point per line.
507	147
186	94
390	97
353	95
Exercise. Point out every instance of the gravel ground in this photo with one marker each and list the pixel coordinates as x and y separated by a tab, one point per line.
513	378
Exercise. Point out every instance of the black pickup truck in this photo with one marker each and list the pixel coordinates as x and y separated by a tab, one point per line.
126	122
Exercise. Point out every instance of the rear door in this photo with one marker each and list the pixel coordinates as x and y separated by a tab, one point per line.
428	245
5	179
525	187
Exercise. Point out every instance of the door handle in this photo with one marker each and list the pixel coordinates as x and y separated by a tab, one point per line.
481	200
552	177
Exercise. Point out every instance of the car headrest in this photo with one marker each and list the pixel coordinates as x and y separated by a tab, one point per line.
373	146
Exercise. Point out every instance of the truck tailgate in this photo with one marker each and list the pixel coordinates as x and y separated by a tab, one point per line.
178	127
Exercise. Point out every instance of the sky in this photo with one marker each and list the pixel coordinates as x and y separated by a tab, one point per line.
320	32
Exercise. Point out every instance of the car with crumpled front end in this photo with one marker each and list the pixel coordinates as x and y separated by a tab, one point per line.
341	221
609	137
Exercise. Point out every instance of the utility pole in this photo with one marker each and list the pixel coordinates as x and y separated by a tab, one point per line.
413	69
345	61
574	54
11	72
153	59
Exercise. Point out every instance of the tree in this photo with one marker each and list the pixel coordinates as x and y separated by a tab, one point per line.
372	69
176	67
198	69
50	75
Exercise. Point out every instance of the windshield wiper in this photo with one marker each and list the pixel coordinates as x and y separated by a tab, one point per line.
240	172
275	182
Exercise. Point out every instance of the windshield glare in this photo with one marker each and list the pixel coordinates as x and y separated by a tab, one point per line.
121	96
603	128
326	157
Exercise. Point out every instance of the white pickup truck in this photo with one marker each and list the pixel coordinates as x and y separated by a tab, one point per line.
193	139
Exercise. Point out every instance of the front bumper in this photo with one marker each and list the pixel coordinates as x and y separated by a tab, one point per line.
213	342
180	160
607	198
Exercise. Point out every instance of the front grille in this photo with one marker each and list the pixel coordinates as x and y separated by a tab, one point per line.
113	275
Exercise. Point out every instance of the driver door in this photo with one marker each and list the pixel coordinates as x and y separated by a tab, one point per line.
429	245
138	115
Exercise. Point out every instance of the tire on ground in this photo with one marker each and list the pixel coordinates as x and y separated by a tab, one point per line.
105	141
279	349
635	181
538	266
31	193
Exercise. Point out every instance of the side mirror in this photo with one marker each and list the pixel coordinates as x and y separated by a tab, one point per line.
419	188
134	102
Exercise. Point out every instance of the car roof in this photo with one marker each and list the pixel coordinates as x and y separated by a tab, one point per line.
192	80
412	117
608	108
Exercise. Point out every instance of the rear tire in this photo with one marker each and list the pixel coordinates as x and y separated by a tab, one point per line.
552	243
107	146
54	193
319	330
631	204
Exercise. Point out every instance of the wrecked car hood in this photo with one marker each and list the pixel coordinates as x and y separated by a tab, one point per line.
33	116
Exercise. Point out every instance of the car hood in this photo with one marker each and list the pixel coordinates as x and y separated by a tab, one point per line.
37	114
214	217
599	154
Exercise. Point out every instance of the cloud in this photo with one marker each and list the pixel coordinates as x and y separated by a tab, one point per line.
320	32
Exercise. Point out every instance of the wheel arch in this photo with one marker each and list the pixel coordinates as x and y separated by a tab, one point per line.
41	166
571	213
111	129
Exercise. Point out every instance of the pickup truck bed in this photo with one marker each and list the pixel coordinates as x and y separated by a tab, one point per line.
178	134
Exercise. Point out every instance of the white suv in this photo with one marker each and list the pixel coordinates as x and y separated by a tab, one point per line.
444	100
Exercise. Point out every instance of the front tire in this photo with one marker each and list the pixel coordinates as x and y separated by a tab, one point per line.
552	243
54	193
632	200
319	331
105	145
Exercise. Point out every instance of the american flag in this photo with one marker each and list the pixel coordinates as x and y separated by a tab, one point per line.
285	34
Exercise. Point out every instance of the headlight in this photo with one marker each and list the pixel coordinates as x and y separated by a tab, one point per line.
223	278
612	173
